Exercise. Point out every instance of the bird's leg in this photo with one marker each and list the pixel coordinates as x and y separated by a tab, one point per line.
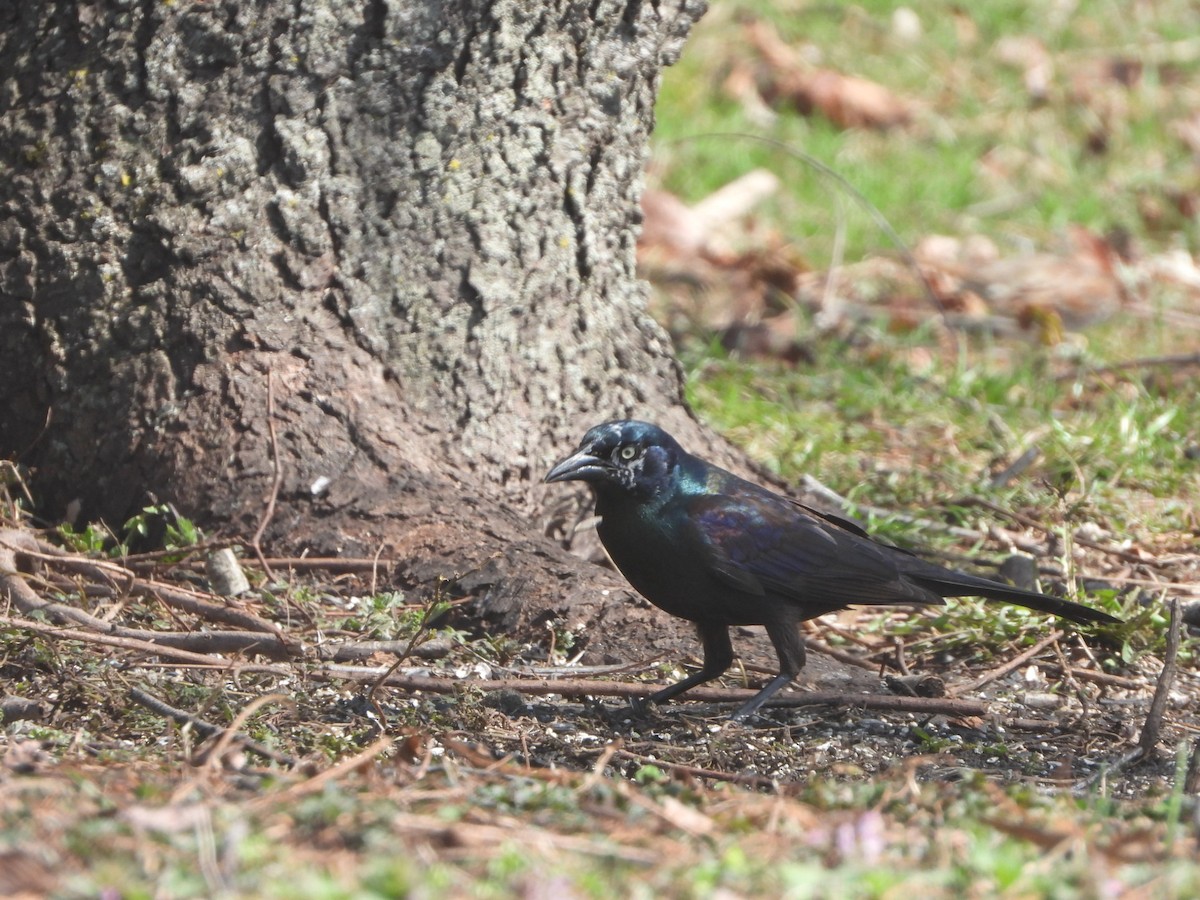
789	647
718	656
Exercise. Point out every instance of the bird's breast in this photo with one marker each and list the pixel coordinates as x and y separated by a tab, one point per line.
668	567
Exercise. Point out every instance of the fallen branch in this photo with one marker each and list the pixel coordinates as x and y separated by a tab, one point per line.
267	639
343	564
112	581
207	660
579	688
101	572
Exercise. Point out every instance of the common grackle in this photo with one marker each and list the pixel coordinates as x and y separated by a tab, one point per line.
705	545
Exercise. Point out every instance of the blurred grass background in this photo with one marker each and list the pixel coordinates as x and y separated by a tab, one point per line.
1098	148
909	417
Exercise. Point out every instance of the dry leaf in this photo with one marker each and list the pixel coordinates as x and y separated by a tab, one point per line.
703	284
684	817
965	29
741	84
846	100
668	226
671	227
1045	292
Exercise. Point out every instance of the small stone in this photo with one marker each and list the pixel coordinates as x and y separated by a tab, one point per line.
225	575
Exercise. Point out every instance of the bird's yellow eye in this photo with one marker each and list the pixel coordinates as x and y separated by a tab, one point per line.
628	452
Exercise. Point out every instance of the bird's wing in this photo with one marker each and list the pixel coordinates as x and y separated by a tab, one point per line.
762	543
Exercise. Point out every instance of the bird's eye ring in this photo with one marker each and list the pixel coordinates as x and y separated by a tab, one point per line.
628	452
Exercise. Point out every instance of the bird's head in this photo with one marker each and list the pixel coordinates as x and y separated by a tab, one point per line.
625	457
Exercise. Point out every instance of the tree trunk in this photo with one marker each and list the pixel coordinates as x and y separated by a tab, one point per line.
405	227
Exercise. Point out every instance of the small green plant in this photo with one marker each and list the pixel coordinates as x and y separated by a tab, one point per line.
179	533
383	616
649	774
93	538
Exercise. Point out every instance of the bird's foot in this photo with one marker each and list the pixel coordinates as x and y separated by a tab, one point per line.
743	715
752	706
642	706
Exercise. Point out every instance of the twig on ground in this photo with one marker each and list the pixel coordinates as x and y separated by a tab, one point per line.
318	781
1019	660
205	660
276	479
846	634
375	570
265	637
1148	740
204	728
840	655
577	688
418	632
14	542
1118	681
1166	679
212	755
1015	468
195	603
198	647
1175	587
1068	675
749	780
595	776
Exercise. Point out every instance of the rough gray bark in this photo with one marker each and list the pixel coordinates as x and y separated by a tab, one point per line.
412	223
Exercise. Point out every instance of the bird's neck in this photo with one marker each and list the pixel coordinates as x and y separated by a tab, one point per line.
624	502
648	499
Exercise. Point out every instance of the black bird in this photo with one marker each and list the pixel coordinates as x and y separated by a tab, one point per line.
705	545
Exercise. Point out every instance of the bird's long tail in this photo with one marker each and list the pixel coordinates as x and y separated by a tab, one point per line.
960	584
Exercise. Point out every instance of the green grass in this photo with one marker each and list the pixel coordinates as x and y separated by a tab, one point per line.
869	426
981	155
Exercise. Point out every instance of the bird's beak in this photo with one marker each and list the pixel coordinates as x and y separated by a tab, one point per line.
582	466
